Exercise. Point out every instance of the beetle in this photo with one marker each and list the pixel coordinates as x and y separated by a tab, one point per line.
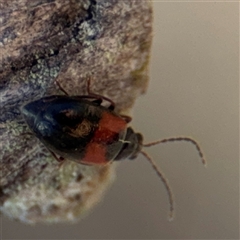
81	129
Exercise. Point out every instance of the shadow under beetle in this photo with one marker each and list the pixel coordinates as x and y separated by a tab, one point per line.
80	129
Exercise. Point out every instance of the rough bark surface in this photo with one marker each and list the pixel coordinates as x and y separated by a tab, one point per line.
45	40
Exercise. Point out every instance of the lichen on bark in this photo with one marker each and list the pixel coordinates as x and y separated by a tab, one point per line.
42	41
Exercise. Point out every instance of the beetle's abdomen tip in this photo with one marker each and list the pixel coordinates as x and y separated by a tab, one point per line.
32	108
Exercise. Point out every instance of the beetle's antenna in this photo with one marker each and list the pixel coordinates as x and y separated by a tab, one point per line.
160	174
177	139
165	183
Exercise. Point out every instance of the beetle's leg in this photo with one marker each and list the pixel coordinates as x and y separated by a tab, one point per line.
112	104
59	159
126	118
60	87
98	98
98	101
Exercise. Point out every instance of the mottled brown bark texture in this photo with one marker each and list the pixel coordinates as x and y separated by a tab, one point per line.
42	41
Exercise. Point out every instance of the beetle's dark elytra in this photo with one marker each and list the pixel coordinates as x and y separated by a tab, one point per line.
68	126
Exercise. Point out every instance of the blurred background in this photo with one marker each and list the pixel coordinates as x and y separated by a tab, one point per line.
193	91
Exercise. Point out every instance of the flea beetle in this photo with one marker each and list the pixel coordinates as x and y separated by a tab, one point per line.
81	129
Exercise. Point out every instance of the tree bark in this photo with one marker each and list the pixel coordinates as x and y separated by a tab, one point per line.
42	41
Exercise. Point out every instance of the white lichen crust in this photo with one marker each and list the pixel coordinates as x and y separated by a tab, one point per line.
66	197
